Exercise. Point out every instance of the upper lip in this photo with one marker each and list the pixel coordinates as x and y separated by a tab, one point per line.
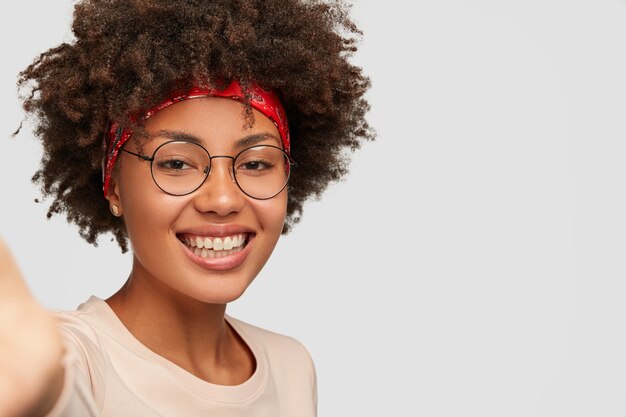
216	230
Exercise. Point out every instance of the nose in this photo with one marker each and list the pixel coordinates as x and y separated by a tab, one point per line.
220	194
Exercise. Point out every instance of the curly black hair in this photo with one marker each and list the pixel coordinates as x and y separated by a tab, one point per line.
129	55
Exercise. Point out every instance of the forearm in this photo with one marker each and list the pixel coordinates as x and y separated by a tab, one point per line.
31	375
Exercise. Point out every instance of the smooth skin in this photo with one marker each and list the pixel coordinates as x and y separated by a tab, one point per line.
171	303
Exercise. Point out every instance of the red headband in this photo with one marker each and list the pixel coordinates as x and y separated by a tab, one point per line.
264	101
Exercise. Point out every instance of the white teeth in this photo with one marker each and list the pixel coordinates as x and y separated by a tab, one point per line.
222	246
207	253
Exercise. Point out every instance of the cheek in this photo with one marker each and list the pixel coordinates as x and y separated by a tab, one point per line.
271	214
147	210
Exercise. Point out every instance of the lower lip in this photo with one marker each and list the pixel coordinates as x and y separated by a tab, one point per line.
224	263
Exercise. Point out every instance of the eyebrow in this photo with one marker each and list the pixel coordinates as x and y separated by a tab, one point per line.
244	142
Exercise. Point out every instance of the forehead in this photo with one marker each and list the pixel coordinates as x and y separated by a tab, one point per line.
214	121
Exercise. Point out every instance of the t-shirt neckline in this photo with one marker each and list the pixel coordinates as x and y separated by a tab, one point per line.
111	325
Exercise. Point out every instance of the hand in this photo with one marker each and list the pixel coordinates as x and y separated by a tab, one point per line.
31	350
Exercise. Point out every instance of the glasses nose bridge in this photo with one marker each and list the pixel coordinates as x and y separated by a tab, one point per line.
230	171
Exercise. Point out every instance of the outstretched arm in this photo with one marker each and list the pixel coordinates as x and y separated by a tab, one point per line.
31	374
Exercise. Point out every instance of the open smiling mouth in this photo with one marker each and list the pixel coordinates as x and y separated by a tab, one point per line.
215	247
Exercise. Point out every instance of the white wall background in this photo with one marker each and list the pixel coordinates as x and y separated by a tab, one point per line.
473	262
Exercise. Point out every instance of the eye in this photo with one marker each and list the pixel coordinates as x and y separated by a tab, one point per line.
173	164
260	161
254	165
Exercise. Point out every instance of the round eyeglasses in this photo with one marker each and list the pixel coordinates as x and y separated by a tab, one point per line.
180	168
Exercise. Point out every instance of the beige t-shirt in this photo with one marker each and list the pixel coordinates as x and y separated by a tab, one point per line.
110	373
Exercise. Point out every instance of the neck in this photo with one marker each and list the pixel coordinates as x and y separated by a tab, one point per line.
190	333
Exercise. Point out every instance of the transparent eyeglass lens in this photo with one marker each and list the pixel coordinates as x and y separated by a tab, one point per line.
180	168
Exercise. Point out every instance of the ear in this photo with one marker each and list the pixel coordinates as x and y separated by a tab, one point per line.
113	195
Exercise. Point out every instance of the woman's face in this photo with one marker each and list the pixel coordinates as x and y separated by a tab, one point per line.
166	231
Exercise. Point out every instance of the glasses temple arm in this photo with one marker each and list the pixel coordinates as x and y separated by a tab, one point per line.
144	157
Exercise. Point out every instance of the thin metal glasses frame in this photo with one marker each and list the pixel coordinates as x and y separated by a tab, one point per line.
207	169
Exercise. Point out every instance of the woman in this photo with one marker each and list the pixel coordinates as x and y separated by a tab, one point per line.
219	120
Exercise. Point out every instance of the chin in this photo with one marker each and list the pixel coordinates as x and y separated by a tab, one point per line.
221	293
